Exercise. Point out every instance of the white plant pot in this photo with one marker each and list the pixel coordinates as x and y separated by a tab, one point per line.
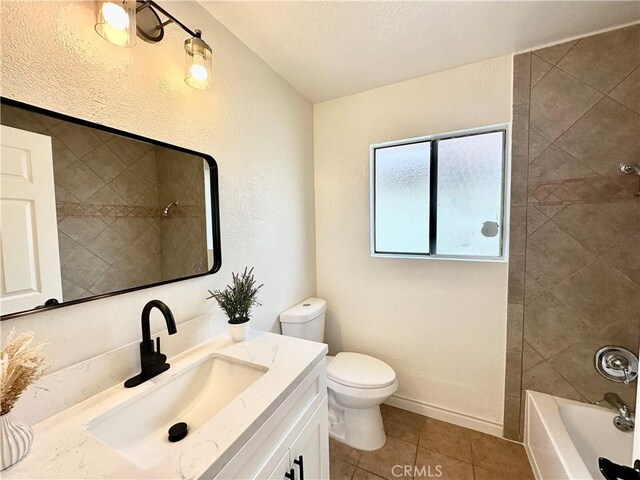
15	440
239	331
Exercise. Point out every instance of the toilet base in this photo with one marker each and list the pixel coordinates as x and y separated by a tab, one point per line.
359	428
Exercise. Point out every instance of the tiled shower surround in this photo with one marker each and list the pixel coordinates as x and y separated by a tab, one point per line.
109	201
574	276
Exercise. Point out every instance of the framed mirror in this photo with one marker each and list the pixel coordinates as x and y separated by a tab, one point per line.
88	211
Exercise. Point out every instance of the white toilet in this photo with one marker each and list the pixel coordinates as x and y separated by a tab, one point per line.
357	383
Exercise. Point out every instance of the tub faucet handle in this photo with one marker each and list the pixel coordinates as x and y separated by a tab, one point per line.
618	362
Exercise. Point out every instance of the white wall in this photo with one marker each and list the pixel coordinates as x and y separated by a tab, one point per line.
440	324
255	125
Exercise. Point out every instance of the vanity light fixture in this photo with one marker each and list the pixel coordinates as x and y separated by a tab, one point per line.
198	67
116	21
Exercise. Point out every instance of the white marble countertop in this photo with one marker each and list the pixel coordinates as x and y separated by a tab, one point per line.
64	449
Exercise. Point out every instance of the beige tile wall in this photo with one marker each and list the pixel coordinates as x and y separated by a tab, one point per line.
183	232
574	278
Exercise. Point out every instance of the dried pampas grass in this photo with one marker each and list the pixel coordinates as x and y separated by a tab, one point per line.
22	364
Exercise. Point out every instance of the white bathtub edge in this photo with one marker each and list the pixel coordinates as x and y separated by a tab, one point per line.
569	463
527	447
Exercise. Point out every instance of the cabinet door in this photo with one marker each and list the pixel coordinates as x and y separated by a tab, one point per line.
281	469
310	451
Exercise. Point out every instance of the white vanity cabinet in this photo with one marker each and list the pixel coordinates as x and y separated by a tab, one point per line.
293	441
307	458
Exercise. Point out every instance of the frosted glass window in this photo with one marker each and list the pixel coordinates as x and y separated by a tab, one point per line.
402	198
439	196
470	179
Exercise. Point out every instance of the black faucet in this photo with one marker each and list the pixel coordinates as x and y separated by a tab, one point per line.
152	362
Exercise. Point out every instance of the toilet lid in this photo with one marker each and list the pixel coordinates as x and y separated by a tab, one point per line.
360	371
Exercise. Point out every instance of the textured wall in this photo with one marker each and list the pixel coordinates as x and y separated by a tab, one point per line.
51	57
575	265
440	324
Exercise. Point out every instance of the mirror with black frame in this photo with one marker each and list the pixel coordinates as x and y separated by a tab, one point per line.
87	211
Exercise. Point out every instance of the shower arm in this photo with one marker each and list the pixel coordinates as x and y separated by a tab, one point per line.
628	168
165	212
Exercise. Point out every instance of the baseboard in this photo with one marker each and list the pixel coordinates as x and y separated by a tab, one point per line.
445	415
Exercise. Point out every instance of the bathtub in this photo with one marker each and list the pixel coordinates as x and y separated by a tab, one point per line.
564	438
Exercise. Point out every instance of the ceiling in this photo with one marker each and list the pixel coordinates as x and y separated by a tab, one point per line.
330	49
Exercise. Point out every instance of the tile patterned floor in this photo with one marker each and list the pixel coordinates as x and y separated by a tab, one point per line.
430	449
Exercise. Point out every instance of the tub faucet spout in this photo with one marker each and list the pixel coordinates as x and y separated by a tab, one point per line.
624	421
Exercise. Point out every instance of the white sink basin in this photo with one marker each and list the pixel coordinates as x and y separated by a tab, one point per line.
137	429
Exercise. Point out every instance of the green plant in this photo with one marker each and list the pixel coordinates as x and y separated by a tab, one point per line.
239	297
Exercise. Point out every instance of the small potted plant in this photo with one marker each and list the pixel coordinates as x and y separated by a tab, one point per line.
22	364
237	300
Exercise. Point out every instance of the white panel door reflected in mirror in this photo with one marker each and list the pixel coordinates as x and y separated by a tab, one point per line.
29	262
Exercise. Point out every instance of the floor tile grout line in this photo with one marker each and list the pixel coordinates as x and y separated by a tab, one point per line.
415	460
473	462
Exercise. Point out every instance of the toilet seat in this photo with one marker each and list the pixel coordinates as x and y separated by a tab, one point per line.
359	371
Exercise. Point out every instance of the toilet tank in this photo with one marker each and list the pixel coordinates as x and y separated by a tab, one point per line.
305	320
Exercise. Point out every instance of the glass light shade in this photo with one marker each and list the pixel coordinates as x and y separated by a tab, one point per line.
116	21
198	63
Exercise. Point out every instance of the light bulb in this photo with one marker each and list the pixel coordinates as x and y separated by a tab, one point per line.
116	21
198	72
198	63
115	16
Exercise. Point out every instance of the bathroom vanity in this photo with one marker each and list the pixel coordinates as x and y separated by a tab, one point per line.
255	409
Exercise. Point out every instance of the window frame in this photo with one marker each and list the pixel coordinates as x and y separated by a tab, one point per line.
503	128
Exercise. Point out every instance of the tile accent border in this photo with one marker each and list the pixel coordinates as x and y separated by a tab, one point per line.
106	210
96	211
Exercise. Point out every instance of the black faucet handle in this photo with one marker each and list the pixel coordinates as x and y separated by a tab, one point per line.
153	364
158	345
